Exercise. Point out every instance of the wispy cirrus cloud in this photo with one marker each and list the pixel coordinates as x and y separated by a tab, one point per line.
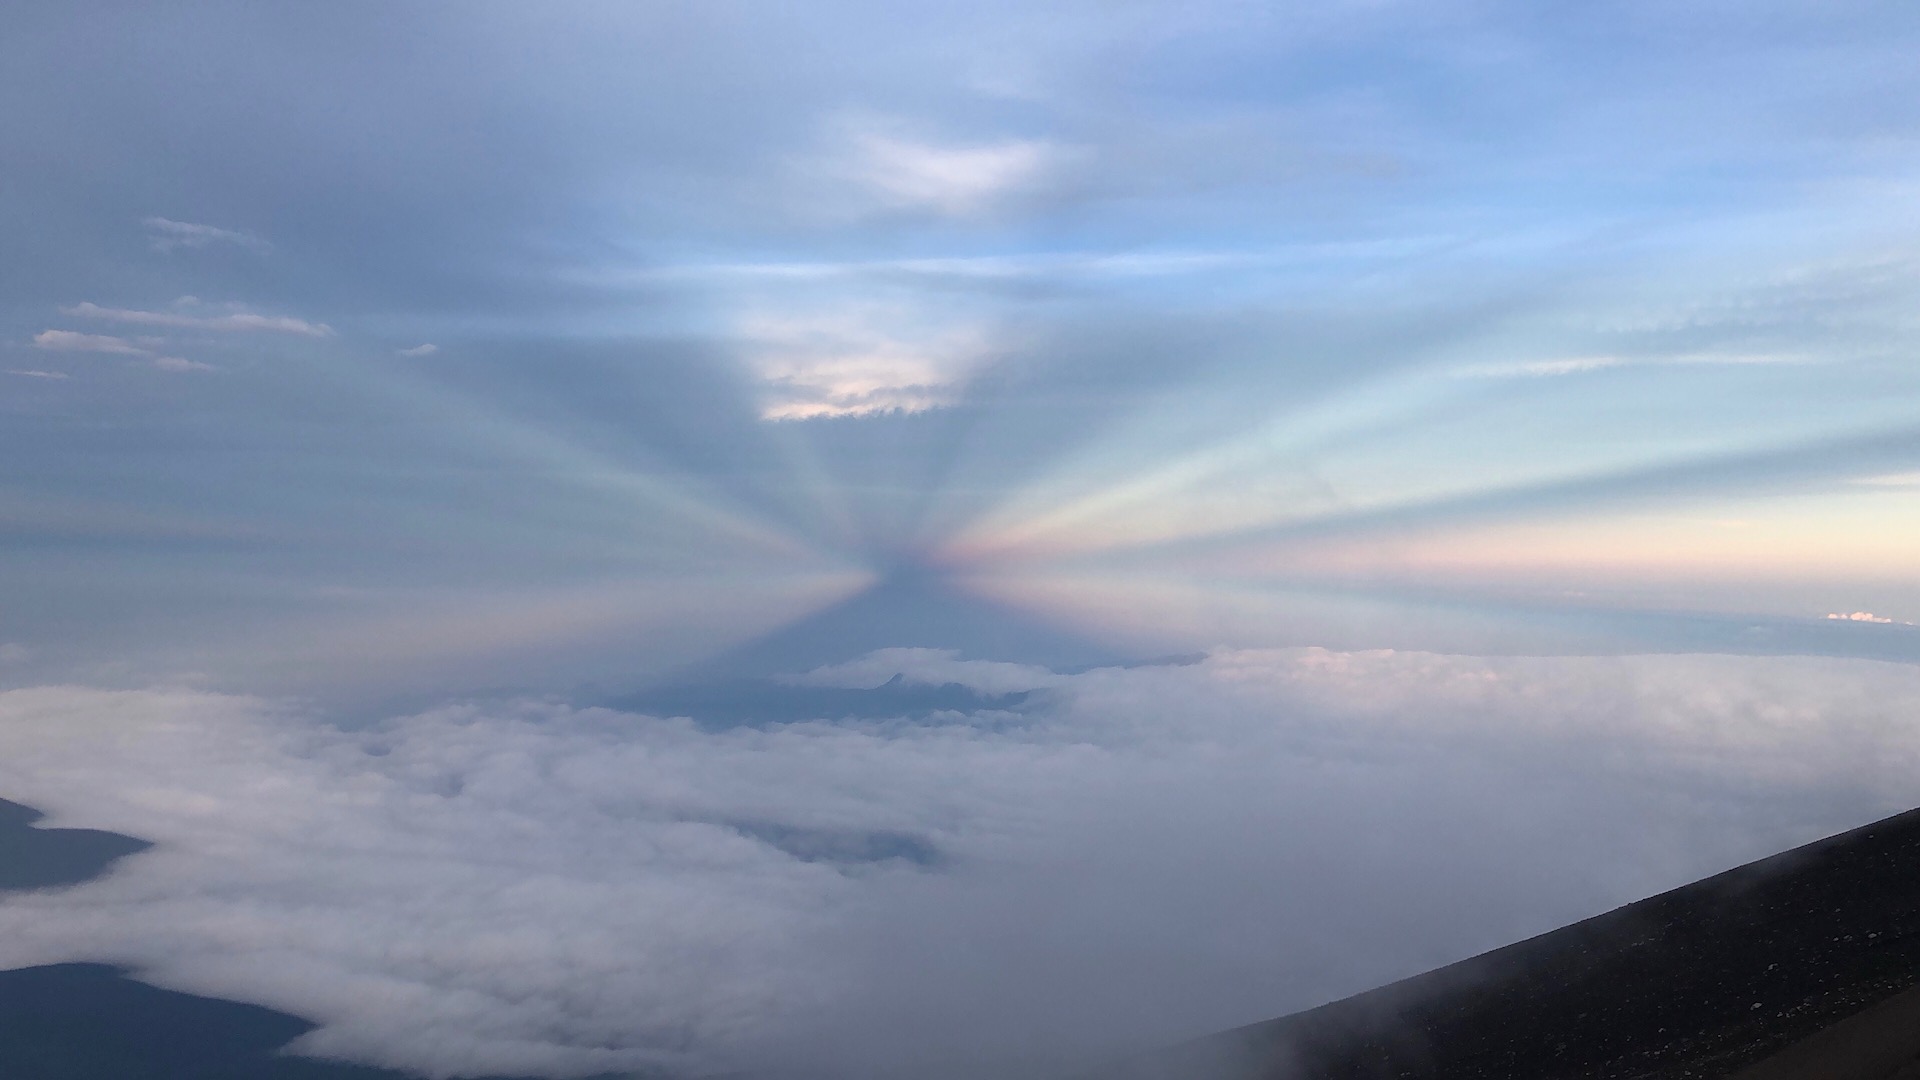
1578	365
74	341
1572	365
233	321
145	348
901	169
166	234
180	364
32	373
424	349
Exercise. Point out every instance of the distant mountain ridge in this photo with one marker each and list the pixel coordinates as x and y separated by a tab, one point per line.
32	857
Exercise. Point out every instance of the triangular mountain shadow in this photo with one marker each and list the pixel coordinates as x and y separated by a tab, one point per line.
1803	966
909	608
92	1022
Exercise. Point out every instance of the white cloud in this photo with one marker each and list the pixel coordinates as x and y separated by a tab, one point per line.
426	349
1578	365
1035	266
237	321
32	373
859	362
1152	854
72	341
12	652
179	364
1572	365
166	234
903	171
1911	479
1866	617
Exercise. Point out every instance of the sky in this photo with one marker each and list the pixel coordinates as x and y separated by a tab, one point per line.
1434	470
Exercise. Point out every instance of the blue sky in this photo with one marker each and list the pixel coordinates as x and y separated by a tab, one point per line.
360	359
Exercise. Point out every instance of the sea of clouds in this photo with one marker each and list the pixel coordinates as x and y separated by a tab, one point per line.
1135	856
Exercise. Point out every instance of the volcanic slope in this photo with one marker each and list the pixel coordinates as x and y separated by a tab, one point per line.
1803	966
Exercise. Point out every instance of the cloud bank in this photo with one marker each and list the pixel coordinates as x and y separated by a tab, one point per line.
1151	854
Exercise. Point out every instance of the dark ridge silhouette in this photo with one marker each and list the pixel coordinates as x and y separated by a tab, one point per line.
33	858
846	847
1803	966
758	702
912	607
92	1022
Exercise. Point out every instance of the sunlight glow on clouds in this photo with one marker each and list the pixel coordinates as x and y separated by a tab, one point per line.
1866	617
860	361
1911	479
1787	537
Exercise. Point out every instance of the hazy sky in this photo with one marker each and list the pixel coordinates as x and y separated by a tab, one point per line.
360	357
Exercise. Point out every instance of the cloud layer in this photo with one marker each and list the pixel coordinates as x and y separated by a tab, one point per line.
1152	854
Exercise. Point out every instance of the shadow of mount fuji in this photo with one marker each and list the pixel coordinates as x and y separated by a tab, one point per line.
910	609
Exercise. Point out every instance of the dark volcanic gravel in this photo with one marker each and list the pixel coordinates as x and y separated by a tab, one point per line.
1702	981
